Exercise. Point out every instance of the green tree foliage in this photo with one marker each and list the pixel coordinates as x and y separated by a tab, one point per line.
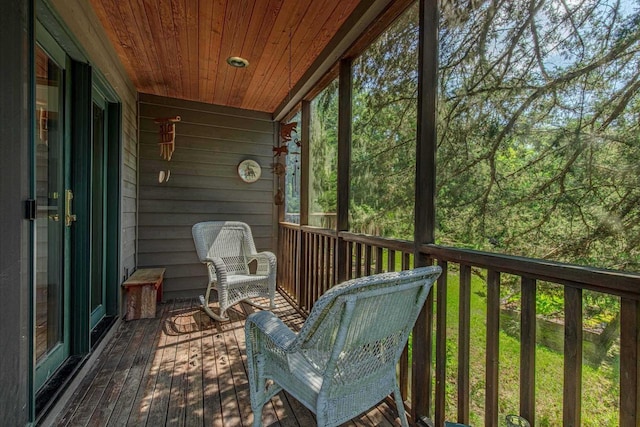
538	131
323	157
384	132
539	110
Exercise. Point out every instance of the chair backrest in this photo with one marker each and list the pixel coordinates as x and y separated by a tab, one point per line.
230	240
359	328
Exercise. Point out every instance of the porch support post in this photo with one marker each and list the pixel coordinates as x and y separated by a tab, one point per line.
425	188
280	180
16	119
305	137
345	93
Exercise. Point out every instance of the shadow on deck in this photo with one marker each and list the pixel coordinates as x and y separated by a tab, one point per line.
184	369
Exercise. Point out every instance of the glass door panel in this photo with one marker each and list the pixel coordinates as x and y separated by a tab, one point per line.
50	337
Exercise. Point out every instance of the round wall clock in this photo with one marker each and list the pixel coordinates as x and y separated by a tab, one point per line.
249	171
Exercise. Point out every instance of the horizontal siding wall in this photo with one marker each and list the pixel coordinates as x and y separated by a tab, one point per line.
204	185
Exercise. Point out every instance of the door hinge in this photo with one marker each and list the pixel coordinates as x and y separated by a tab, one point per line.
30	207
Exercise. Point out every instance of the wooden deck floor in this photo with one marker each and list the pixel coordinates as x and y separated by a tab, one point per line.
183	369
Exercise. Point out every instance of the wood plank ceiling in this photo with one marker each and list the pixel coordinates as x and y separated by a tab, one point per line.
179	48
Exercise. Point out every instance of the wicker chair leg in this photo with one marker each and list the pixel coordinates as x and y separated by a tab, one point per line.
400	407
204	300
257	417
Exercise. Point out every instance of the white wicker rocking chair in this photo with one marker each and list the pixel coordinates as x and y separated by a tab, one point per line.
227	248
343	360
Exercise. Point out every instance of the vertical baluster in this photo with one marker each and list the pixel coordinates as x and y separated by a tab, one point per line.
350	260
391	260
334	246
492	348
406	260
528	350
309	261
314	267
572	357
441	345
367	260
325	263
288	249
318	270
404	372
297	265
281	255
629	369
292	254
379	266
358	272
464	337
302	277
322	275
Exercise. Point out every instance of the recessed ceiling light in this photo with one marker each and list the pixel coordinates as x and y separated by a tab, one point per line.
236	61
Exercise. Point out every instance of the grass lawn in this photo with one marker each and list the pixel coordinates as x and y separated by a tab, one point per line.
600	385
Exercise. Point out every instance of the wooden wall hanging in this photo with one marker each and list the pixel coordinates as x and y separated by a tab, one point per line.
167	136
279	167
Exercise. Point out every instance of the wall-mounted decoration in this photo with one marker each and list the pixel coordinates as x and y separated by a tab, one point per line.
278	169
288	144
164	176
167	136
287	129
279	197
283	149
249	171
285	135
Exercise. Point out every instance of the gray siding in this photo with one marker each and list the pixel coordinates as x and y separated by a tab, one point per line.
80	18
204	185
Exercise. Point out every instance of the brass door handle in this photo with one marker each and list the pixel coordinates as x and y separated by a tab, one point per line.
54	217
69	218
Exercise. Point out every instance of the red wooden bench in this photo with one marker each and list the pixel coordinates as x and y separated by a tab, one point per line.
143	289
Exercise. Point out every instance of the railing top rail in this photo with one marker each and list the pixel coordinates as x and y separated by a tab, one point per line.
615	282
319	230
291	225
309	229
621	283
383	242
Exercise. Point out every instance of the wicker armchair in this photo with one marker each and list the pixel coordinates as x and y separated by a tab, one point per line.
343	360
227	248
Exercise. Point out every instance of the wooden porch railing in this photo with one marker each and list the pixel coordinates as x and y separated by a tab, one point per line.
308	267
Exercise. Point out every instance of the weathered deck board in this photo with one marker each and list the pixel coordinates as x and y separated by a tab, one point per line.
184	369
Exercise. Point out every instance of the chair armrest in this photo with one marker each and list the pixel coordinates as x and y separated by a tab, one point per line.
266	262
217	269
268	325
268	340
